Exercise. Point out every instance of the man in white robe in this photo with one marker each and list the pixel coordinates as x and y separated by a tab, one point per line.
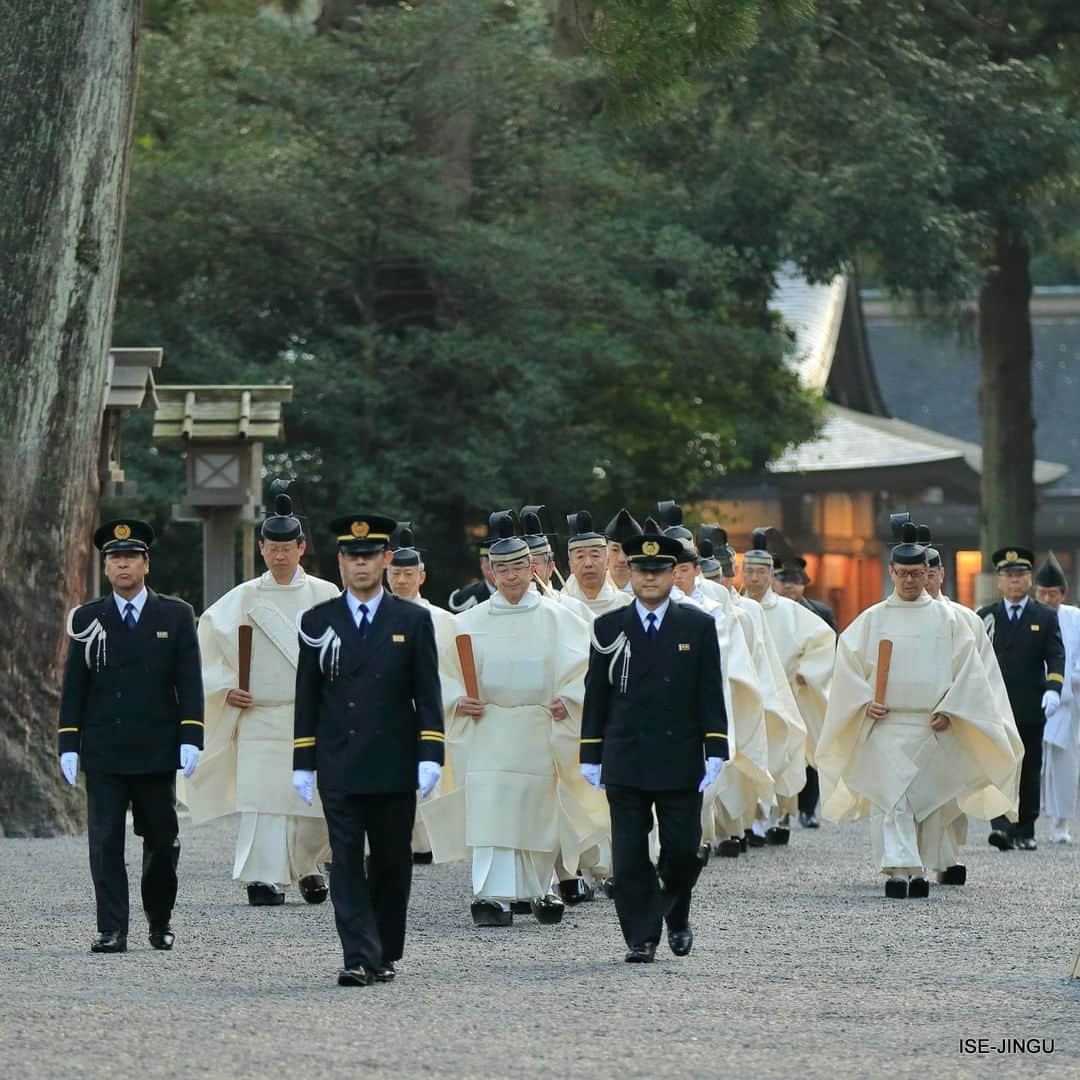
518	806
246	766
1061	736
406	575
935	739
589	580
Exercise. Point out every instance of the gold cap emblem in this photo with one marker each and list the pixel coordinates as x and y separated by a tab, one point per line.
122	532
1011	556
360	529
650	547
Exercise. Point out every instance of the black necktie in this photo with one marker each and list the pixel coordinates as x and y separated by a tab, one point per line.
129	615
650	628
364	622
1014	613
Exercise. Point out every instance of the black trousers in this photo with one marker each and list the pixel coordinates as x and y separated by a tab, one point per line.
811	792
370	908
152	798
640	901
1031	735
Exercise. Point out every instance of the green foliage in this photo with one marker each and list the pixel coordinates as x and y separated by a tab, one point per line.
482	296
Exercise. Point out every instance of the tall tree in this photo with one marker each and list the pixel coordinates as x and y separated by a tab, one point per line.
67	86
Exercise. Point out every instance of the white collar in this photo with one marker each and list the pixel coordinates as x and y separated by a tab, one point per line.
372	605
1009	605
139	601
643	613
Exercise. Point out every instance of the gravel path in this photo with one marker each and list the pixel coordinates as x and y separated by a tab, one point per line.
801	968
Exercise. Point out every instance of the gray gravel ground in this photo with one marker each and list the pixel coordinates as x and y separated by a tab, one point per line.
801	968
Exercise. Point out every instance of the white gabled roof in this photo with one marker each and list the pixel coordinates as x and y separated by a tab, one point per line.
813	313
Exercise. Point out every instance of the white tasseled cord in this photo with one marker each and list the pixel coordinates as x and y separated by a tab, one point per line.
94	632
327	641
988	622
619	647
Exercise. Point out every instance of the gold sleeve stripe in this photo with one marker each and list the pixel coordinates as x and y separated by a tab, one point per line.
1055	677
303	744
592	740
715	735
433	736
65	730
194	723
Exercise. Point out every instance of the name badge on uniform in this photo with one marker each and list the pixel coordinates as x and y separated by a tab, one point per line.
1034	626
398	639
163	633
684	646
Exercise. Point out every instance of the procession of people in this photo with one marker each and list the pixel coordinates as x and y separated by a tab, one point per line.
575	739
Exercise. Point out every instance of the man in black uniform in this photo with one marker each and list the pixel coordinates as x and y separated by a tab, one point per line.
1027	641
476	592
369	723
654	733
131	713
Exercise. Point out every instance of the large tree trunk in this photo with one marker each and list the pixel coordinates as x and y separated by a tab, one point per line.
1007	490
67	84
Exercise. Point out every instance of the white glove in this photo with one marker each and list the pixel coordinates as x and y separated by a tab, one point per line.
304	782
427	776
592	774
713	765
1050	703
69	766
189	758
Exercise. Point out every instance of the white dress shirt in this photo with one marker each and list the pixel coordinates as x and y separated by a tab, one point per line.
354	606
644	613
138	601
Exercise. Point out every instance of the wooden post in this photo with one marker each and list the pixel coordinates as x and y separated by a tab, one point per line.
219	551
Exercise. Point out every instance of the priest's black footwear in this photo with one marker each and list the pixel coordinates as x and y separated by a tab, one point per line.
355	977
753	839
681	941
575	891
1025	843
896	888
490	913
808	821
641	954
111	941
1001	840
743	845
953	875
162	937
262	894
313	888
918	888
422	858
729	848
777	835
385	973
521	907
548	910
703	853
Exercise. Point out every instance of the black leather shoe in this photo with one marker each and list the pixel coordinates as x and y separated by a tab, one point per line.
743	845
575	891
808	821
162	937
262	894
681	941
641	954
109	942
896	888
918	888
355	977
422	858
703	854
547	910
1025	843
521	907
729	848
385	974
953	875
313	889
1001	840
490	913
778	835
753	839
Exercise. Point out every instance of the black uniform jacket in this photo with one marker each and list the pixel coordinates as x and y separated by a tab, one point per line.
821	610
365	721
1031	655
656	734
468	596
140	695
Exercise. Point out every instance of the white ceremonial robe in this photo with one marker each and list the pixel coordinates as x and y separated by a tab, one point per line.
609	598
807	648
897	770
1061	736
246	766
786	732
453	689
521	797
574	606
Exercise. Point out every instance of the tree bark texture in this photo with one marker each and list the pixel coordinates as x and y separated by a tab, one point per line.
1007	489
68	71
